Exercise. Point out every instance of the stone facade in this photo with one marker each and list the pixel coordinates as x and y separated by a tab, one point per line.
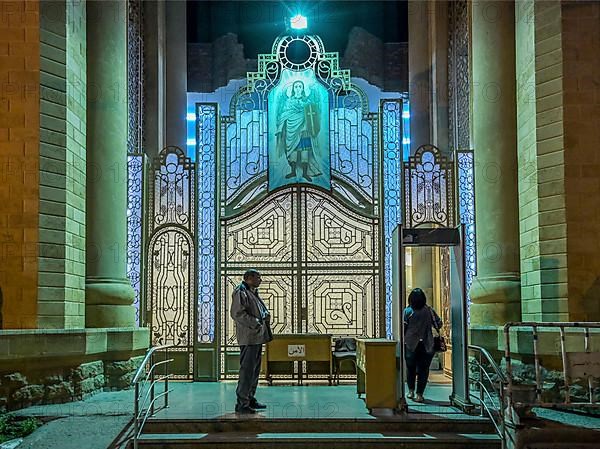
61	365
19	153
61	283
558	99
45	385
581	99
541	162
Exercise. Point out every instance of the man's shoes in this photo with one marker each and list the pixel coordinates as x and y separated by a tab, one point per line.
244	410
257	405
419	398
411	394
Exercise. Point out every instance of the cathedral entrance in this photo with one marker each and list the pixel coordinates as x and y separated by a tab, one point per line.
297	174
296	171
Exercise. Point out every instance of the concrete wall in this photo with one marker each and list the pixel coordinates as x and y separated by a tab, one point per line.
61	285
19	152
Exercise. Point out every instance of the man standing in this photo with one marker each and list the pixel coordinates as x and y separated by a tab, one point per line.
253	328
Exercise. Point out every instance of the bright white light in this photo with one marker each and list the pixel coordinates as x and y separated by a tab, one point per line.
405	141
191	142
191	117
299	22
405	114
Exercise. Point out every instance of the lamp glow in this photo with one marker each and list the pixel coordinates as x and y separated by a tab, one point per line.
299	22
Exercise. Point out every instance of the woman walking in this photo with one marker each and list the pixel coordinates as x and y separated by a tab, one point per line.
419	318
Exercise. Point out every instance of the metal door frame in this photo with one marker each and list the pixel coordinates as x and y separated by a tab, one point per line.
429	237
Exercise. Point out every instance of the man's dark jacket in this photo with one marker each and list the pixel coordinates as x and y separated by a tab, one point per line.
251	317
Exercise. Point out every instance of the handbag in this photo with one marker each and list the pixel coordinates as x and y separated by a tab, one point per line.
439	342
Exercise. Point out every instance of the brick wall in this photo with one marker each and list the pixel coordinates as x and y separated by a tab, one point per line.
581	92
19	137
61	283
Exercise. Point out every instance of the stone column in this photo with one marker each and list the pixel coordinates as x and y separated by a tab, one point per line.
495	293
108	293
419	96
176	73
154	77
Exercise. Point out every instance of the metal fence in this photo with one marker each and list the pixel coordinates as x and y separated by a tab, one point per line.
574	368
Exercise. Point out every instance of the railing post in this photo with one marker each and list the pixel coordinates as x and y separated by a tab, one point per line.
536	360
136	406
152	386
166	380
481	398
563	352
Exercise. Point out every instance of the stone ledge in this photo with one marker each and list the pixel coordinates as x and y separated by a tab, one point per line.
18	345
45	366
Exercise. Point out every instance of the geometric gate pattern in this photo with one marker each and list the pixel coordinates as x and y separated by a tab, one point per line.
319	260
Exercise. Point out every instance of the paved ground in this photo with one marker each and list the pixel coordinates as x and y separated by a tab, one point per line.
90	424
95	422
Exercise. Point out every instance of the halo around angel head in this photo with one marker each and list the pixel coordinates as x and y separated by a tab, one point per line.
289	89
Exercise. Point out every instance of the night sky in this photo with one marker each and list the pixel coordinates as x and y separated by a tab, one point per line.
257	23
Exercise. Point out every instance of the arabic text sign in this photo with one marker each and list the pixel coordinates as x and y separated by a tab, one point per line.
296	351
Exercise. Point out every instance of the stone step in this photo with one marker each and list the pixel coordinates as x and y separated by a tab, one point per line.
313	440
412	423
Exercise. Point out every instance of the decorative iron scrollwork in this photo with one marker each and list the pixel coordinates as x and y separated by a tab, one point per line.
429	189
171	253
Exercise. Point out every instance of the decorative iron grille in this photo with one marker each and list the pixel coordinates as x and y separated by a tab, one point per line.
320	264
135	159
171	256
206	158
319	251
136	169
135	76
466	205
428	189
458	75
391	125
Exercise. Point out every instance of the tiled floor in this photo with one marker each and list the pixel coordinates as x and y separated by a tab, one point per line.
209	400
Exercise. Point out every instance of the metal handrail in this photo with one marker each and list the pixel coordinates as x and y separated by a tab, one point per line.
498	385
539	402
144	407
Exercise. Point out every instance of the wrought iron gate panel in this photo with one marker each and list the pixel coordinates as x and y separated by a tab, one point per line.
336	235
353	146
206	157
171	314
244	148
391	138
465	163
136	170
263	236
277	292
171	256
330	284
319	249
459	86
429	189
346	303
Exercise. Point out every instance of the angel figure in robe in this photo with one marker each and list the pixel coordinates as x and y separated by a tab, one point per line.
298	126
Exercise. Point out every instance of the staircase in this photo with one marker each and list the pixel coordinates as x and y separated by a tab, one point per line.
415	431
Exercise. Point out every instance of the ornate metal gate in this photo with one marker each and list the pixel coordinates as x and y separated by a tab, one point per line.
317	240
171	258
